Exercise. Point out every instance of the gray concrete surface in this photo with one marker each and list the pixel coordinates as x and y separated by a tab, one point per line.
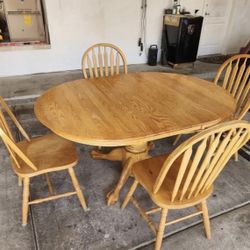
230	231
33	85
62	224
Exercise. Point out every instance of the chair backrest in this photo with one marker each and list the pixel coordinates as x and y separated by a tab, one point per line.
201	159
8	138
4	125
102	60
235	74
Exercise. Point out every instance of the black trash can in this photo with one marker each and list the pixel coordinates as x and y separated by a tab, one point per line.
152	55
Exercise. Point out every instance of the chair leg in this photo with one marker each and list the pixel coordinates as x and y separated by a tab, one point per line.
50	186
206	219
236	156
25	209
161	229
77	188
129	194
20	181
178	137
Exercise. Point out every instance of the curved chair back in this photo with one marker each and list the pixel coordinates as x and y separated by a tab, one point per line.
235	76
102	60
8	138
202	158
3	122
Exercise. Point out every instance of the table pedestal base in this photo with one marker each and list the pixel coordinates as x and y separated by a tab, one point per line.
128	156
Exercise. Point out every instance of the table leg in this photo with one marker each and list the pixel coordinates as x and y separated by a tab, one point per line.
128	155
117	154
113	195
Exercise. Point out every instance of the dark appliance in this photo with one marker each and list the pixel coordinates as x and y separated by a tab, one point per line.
152	55
180	38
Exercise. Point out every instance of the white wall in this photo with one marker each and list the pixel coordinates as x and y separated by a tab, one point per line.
77	24
238	33
73	26
122	25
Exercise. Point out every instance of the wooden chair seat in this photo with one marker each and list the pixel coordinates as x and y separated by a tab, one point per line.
146	173
49	153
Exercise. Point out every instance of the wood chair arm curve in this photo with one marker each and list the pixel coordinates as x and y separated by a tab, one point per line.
226	63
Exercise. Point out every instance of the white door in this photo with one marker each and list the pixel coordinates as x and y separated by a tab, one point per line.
216	15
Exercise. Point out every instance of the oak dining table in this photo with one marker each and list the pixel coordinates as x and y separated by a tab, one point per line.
130	111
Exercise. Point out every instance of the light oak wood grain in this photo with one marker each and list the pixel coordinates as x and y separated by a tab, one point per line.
103	60
133	108
37	156
234	76
184	177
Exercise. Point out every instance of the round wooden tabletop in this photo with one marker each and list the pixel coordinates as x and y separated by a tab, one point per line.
133	108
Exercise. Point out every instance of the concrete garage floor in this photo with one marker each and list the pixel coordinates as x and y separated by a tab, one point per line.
62	224
34	85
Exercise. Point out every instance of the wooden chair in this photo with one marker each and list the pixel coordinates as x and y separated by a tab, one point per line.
185	177
233	75
38	156
103	60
